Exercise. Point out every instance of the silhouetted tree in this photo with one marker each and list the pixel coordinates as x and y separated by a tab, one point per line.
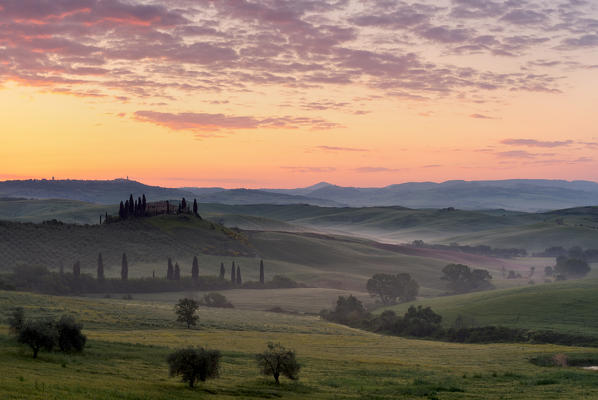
233	272
77	269
70	339
222	270
167	207
184	205
124	268
276	361
131	205
462	279
121	210
100	271
40	334
177	272
262	272
194	364
214	299
390	287
195	206
170	271
143	204
185	310
239	280
195	269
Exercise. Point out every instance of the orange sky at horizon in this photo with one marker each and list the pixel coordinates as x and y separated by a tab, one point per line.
347	96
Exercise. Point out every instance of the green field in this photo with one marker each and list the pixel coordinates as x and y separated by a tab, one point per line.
129	341
565	307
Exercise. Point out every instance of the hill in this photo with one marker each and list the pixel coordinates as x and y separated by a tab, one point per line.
68	211
566	307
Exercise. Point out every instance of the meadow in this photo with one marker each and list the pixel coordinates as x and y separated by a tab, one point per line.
129	341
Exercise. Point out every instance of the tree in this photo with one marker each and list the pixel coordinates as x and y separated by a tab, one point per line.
177	272
143	204
276	361
77	269
185	310
121	210
184	205
462	279
70	338
571	267
131	205
233	272
194	206
390	287
195	269
239	280
38	335
170	271
214	299
100	272
222	270
16	321
194	364
124	268
348	311
262	272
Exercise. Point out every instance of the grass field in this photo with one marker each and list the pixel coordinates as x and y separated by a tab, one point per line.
129	340
566	307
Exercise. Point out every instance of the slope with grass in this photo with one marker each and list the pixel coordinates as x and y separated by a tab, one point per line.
68	211
568	307
129	341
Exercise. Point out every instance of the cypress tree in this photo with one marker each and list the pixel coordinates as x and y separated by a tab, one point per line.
177	272
106	218
262	272
121	210
239	281
77	269
170	271
139	207
131	205
222	270
195	269
195	206
143	204
124	268
184	205
167	207
233	271
100	268
126	210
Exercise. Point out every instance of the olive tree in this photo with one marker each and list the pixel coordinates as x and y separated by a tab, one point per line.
185	310
276	361
194	364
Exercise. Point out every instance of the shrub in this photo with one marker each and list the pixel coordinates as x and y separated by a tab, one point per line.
194	364
185	310
276	361
38	335
214	299
70	338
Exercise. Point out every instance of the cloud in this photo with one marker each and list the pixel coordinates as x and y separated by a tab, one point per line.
481	116
521	154
537	143
202	122
376	169
337	148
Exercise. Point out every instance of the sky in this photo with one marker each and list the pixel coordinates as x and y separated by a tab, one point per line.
287	93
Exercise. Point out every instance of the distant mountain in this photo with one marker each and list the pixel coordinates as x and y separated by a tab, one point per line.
515	194
93	191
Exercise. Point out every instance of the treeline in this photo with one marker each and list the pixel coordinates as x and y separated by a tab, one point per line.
483	250
134	208
41	280
423	322
576	252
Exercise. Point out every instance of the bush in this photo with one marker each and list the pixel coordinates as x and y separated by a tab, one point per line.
185	310
214	299
194	364
276	361
70	338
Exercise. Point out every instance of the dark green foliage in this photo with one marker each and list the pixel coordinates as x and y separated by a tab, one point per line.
70	339
16	321
239	280
100	270
194	365
185	310
233	272
348	311
222	271
214	299
124	269
195	207
461	279
177	272
571	267
38	335
262	272
170	270
77	269
277	361
389	287
195	269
